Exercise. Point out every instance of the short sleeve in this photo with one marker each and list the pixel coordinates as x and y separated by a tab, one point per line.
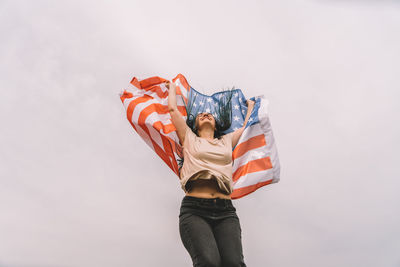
189	137
228	137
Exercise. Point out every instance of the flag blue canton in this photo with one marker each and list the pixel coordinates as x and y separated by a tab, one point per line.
204	103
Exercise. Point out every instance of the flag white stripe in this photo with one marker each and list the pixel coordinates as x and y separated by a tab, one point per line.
137	92
249	132
253	154
253	178
139	129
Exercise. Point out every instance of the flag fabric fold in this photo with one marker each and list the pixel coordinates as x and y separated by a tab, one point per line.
255	157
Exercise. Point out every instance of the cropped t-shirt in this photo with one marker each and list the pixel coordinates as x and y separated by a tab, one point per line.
207	159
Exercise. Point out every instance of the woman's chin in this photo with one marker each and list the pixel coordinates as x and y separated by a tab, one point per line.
206	124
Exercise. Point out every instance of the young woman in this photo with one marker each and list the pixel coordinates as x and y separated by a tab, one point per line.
208	224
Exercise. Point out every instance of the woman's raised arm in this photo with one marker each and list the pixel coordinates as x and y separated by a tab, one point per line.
176	117
238	132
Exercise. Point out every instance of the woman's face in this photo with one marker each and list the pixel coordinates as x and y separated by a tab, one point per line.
203	118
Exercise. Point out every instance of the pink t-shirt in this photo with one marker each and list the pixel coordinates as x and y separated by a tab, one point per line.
205	159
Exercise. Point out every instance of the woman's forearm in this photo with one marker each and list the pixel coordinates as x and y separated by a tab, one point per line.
172	97
249	110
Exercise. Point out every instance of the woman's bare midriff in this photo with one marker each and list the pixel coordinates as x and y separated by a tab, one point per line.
206	188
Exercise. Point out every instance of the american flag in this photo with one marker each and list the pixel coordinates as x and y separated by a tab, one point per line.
255	157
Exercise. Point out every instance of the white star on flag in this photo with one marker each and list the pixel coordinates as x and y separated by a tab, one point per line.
236	118
209	100
208	110
236	106
201	103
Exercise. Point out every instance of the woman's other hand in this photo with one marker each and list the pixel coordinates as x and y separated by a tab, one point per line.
250	103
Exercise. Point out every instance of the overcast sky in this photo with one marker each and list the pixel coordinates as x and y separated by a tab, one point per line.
79	188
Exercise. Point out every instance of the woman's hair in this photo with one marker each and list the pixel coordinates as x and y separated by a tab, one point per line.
223	111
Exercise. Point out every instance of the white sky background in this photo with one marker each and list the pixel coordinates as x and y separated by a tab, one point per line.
79	188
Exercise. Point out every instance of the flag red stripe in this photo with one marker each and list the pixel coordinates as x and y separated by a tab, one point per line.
179	92
241	192
252	143
168	150
159	108
167	153
185	84
252	166
166	128
125	95
152	84
134	103
160	152
148	82
155	107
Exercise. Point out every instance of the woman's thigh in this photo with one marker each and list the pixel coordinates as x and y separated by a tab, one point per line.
228	235
198	238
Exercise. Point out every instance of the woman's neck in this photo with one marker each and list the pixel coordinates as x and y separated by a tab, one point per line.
206	133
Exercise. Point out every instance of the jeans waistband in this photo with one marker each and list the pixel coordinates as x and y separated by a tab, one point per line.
215	200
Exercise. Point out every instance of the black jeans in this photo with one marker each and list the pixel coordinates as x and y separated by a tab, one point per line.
210	231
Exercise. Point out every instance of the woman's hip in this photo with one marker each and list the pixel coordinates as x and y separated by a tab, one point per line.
210	208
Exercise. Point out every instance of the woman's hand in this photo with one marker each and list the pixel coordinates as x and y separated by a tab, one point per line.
250	103
169	85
